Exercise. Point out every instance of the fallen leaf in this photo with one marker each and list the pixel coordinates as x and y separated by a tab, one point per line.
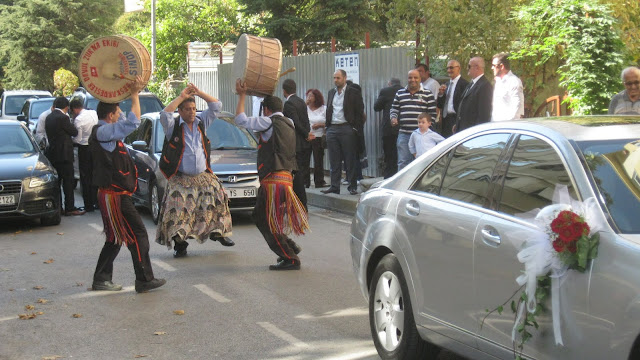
11	289
139	356
49	261
18	232
60	234
79	284
38	287
42	301
178	312
27	316
33	253
29	307
40	313
52	357
159	333
77	315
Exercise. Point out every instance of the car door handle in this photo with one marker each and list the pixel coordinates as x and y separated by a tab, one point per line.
412	208
490	237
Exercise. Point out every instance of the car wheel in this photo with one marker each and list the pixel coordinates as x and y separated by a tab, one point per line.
154	202
390	315
51	220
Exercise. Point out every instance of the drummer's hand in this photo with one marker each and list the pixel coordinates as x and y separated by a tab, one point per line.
194	89
241	88
138	84
186	92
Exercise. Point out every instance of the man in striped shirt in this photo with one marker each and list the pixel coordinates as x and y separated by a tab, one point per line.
407	105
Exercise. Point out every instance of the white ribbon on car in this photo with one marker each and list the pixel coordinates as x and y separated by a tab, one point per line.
539	256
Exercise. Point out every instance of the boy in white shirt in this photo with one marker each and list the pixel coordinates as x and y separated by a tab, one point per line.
423	138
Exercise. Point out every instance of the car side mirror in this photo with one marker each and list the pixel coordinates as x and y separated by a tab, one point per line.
140	145
22	117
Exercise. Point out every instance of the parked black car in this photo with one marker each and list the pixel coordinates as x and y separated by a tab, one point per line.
149	102
28	183
233	160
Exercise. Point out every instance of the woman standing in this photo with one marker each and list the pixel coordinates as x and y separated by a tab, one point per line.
316	110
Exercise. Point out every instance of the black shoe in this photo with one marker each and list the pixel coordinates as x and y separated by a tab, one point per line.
330	191
180	249
353	192
179	253
224	241
105	286
322	185
286	265
144	286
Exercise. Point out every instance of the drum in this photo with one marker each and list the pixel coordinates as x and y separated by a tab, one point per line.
108	65
257	62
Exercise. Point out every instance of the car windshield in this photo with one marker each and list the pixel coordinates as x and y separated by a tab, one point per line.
223	134
14	104
39	107
615	166
15	140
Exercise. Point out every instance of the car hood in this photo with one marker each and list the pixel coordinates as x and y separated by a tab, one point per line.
234	161
19	166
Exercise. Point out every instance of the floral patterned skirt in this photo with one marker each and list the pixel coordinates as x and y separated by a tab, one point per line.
194	207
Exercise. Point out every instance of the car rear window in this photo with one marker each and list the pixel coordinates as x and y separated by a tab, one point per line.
39	107
615	167
13	104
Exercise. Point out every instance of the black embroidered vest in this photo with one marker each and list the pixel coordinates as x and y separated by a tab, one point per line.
173	149
113	170
279	152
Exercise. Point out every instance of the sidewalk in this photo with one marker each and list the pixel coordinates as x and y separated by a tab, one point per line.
343	202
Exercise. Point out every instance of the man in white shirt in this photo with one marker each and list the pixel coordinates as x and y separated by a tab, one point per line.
41	134
84	120
427	81
508	97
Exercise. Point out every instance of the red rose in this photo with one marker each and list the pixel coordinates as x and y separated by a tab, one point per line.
558	246
577	230
556	225
566	235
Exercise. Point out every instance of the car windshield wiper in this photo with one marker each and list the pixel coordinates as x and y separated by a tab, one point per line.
234	148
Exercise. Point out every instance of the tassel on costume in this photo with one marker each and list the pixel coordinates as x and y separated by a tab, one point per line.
285	212
116	227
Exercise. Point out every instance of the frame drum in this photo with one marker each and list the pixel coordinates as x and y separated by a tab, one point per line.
108	65
257	62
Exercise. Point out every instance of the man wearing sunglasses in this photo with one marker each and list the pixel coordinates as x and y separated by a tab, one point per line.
449	97
508	97
627	102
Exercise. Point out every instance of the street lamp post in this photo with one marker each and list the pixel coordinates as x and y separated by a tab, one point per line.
153	36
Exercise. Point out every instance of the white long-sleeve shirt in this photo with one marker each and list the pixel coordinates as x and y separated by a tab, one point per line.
508	98
84	122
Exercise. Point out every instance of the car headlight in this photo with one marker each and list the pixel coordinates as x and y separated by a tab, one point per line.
41	180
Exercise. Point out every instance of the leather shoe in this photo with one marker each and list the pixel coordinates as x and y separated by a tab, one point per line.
105	286
296	250
330	191
74	212
286	265
353	192
224	241
179	253
144	286
322	185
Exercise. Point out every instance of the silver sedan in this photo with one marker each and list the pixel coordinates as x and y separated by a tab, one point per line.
435	246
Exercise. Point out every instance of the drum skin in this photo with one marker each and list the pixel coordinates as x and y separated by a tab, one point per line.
257	62
109	64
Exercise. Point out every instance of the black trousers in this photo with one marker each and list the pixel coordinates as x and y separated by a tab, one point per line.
301	176
390	151
139	250
85	166
281	245
341	143
65	178
318	162
447	125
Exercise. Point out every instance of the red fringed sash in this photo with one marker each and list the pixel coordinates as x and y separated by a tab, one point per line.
115	224
285	212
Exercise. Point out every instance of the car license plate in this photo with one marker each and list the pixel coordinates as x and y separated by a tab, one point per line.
240	192
7	200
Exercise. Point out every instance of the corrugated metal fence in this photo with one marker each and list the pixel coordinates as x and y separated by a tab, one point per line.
377	66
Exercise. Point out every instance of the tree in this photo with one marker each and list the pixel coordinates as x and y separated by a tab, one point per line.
314	22
179	22
627	12
580	41
39	36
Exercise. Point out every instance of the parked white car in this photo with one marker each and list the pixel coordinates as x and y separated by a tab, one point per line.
12	101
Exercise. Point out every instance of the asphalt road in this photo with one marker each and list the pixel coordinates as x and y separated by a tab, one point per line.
234	307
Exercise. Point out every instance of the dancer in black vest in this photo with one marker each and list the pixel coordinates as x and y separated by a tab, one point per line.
115	175
195	205
278	211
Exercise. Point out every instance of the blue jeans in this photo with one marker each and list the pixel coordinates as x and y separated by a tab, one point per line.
404	155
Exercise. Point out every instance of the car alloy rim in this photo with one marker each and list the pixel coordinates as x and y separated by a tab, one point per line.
388	311
155	206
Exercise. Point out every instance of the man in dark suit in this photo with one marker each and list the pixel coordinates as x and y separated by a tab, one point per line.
449	97
60	152
389	133
475	107
296	110
345	117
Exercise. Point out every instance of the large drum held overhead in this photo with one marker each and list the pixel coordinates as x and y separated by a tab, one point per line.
257	63
109	64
